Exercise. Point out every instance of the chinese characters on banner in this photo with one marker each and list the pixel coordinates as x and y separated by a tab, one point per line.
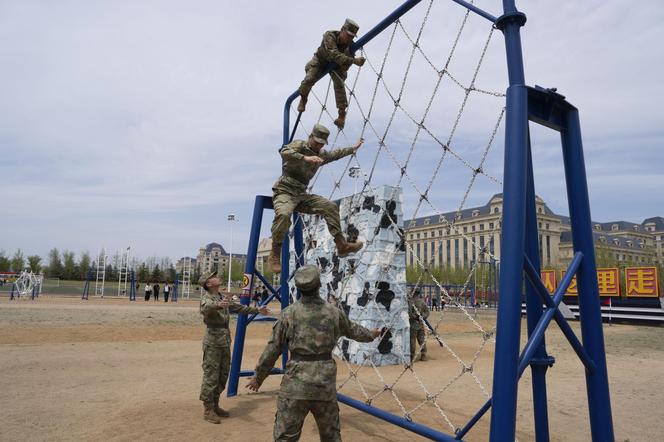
549	280
608	282
641	281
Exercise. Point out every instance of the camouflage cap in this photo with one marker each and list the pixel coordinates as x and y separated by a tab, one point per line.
205	276
351	27
307	278
320	133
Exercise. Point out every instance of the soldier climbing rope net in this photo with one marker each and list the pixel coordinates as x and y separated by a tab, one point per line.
421	122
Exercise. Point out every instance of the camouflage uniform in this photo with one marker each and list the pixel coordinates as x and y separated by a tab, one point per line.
216	344
290	190
417	335
310	328
331	51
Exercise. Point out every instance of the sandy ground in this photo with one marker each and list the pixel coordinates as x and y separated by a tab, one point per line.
120	371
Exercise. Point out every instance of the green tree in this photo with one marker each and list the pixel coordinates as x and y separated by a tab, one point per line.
171	274
54	264
84	265
156	274
5	263
34	262
18	262
142	274
69	265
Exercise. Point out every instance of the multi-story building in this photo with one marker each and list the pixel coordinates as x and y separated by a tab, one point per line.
456	239
214	256
179	267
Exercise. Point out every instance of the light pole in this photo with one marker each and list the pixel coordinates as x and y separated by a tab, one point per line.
231	218
354	172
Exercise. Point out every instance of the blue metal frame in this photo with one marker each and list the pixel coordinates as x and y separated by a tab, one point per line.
86	286
519	252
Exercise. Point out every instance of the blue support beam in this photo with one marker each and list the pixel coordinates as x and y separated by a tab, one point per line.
396	420
261	203
590	314
534	309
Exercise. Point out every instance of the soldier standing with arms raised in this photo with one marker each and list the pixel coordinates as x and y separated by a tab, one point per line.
300	161
310	327
216	309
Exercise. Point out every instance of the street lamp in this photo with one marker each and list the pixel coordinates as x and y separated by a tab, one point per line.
354	172
230	218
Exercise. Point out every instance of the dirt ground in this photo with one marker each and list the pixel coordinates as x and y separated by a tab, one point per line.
119	371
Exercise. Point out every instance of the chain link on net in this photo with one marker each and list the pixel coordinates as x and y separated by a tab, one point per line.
486	335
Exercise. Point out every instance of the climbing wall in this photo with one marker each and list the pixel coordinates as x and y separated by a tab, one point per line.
369	285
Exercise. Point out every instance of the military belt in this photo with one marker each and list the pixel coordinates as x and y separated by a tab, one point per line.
215	327
298	357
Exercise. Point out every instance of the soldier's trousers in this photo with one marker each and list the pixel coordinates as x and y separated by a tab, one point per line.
290	417
285	203
314	70
417	339
216	366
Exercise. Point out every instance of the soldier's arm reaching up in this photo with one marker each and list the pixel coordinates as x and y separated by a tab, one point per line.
337	154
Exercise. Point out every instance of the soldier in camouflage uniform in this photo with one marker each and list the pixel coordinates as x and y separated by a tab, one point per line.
310	328
417	336
335	48
215	309
300	161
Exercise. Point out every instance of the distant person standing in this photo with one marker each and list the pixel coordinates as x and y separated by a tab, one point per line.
155	291
167	291
148	291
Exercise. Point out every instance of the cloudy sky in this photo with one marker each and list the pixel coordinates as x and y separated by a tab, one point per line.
146	123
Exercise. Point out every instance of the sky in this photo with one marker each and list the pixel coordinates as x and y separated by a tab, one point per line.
145	123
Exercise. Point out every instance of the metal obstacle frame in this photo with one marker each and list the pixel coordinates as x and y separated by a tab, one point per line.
519	252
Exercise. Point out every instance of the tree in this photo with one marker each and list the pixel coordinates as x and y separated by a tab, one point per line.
171	273
34	262
18	262
54	264
5	263
156	274
142	274
69	265
84	265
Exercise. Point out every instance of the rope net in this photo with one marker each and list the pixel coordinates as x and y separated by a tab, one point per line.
430	120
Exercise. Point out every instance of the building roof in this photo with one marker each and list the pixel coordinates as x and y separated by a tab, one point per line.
465	213
657	220
625	242
214	245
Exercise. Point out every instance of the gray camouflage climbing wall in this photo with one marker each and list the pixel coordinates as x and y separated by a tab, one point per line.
371	284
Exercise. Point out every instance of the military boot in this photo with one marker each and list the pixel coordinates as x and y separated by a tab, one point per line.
209	414
340	122
218	410
344	247
302	105
275	258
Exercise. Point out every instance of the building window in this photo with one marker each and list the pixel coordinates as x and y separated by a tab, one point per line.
465	252
448	247
457	217
433	251
481	227
426	253
482	243
490	226
475	213
492	242
598	227
418	252
440	253
473	228
424	235
548	249
418	236
615	227
426	222
440	232
636	228
540	210
465	229
496	210
442	219
413	223
456	252
547	226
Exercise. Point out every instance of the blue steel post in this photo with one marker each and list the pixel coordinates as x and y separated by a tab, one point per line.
590	315
540	361
238	346
503	412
